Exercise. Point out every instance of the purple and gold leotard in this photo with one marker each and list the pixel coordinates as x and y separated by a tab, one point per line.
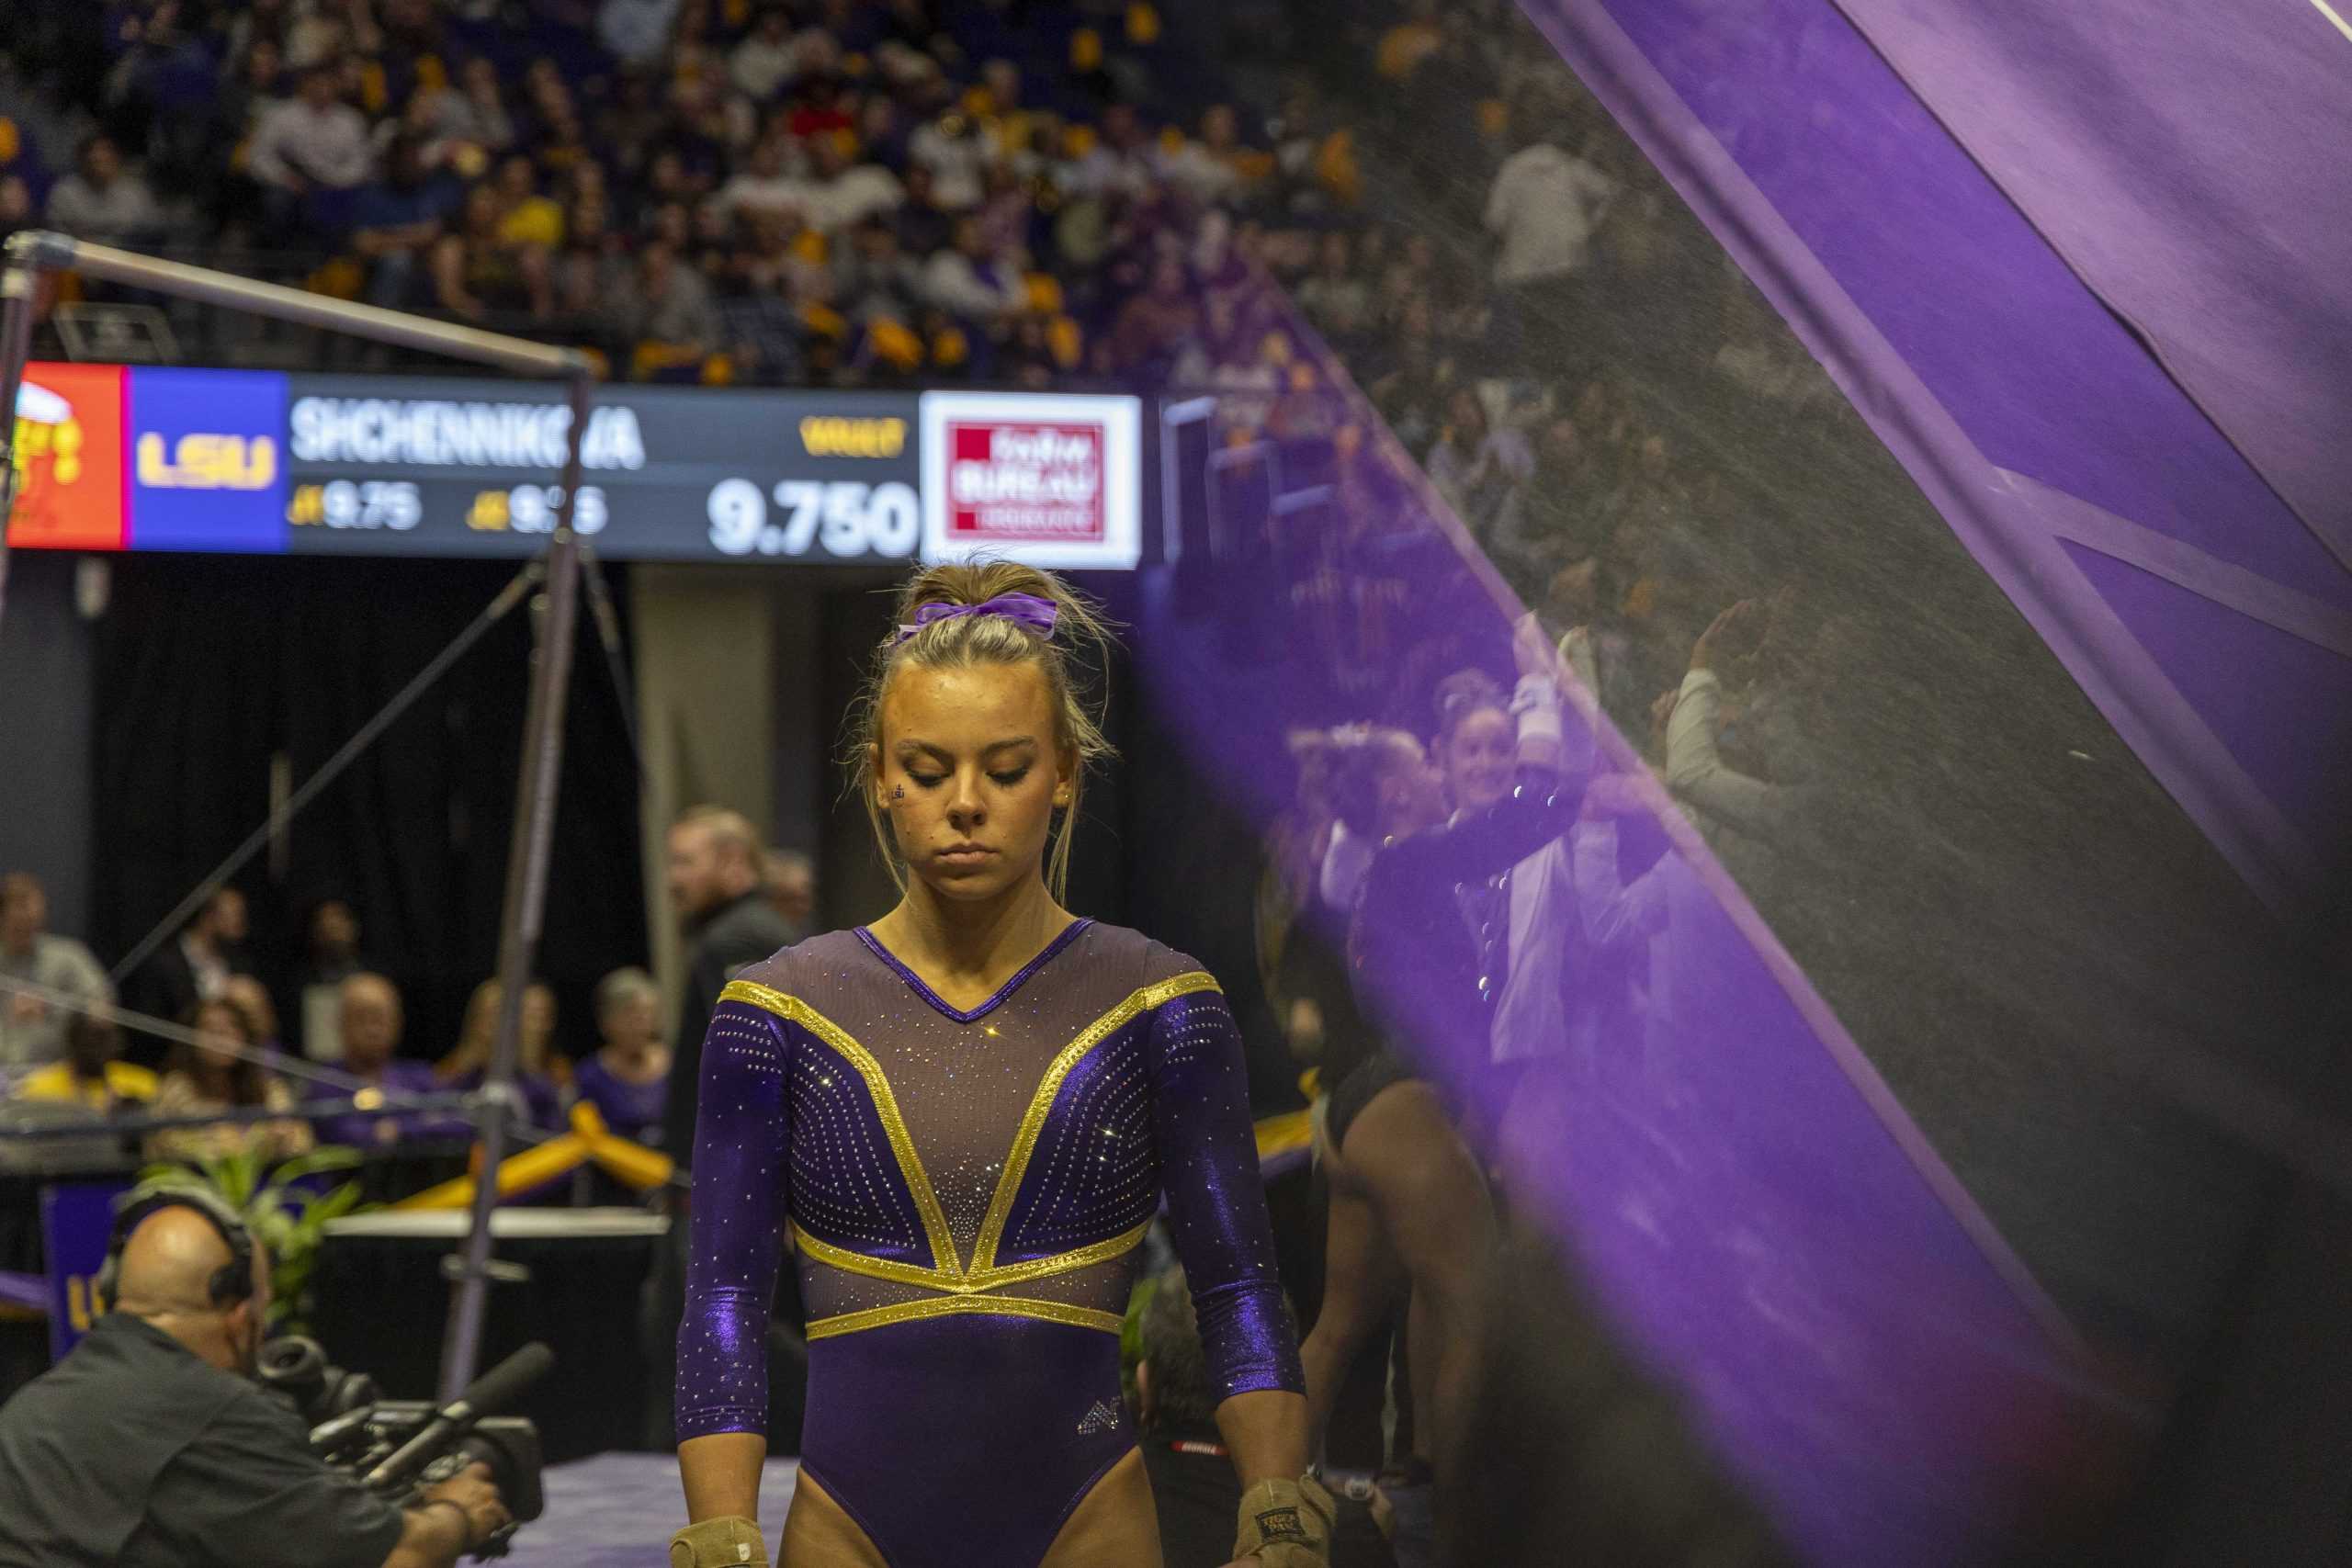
966	1193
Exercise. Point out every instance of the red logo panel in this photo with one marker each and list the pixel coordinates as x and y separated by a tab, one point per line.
68	453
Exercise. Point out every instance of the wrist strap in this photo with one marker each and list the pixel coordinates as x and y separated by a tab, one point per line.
465	1521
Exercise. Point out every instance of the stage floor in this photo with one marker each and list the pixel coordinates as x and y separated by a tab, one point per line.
619	1510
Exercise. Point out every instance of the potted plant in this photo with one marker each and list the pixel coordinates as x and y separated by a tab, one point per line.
284	1207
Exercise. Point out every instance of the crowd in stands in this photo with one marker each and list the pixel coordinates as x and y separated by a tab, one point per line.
249	1026
759	191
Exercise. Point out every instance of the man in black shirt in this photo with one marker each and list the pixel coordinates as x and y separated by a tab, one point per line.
150	1444
718	889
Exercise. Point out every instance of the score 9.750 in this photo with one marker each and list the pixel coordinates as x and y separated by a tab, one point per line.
842	518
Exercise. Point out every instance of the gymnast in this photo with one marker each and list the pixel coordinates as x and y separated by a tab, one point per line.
966	1116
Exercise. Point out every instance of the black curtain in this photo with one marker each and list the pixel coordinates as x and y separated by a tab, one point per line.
210	666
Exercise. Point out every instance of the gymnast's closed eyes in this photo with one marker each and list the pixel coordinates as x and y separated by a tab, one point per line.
963	1118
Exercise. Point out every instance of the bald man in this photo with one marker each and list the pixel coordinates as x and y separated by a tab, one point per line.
369	1017
150	1444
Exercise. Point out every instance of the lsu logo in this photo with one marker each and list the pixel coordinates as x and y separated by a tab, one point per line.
202	460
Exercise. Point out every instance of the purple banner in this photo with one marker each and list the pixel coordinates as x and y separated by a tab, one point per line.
76	1218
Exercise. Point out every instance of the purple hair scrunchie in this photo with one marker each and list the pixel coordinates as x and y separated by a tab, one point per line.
1038	614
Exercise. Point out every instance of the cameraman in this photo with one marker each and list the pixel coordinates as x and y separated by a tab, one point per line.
151	1445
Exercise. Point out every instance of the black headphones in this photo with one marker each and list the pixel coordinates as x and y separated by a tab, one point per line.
230	1283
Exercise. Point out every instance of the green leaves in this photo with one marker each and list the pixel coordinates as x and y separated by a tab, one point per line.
287	1213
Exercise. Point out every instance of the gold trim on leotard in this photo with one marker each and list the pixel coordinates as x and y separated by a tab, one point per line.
948	1306
877	1088
974	1283
964	1286
1041	1104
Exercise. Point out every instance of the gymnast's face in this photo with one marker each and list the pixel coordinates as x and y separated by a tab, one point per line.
970	776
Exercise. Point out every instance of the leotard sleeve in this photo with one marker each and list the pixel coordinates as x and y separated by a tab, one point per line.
1216	1207
735	1231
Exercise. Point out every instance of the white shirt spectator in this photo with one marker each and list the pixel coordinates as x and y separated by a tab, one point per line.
762	64
325	146
637	31
830	205
124	213
1546	206
955	162
1698	775
952	282
32	1032
756	195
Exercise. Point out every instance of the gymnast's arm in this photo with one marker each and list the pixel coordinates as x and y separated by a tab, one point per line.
1217	1215
736	1222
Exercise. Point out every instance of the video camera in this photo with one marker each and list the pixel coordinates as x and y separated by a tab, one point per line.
399	1448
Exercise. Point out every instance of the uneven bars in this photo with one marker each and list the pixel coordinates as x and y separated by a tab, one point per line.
45	251
36	251
526	902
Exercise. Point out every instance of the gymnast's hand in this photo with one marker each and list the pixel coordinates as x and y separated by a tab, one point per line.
1284	1524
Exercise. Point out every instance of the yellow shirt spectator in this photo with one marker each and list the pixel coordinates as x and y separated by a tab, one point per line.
534	220
57	1082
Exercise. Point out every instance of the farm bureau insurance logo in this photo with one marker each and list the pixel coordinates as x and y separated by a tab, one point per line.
1047	479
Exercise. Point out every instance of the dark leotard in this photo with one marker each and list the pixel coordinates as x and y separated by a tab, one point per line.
967	1192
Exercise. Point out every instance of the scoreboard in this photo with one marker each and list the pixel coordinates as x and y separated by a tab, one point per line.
264	462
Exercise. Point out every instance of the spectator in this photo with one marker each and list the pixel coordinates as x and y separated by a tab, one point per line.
1543	209
667	307
16	204
714	889
838	193
873	279
764	187
965	281
215	1074
1154	324
1336	298
1217	167
627	1079
251	999
331	956
93	1074
196	967
396	224
761	329
768	57
1122	162
1478	468
310	143
636	31
466	1065
476	112
527	221
476	274
102	200
368	1023
33	1031
955	149
923	225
